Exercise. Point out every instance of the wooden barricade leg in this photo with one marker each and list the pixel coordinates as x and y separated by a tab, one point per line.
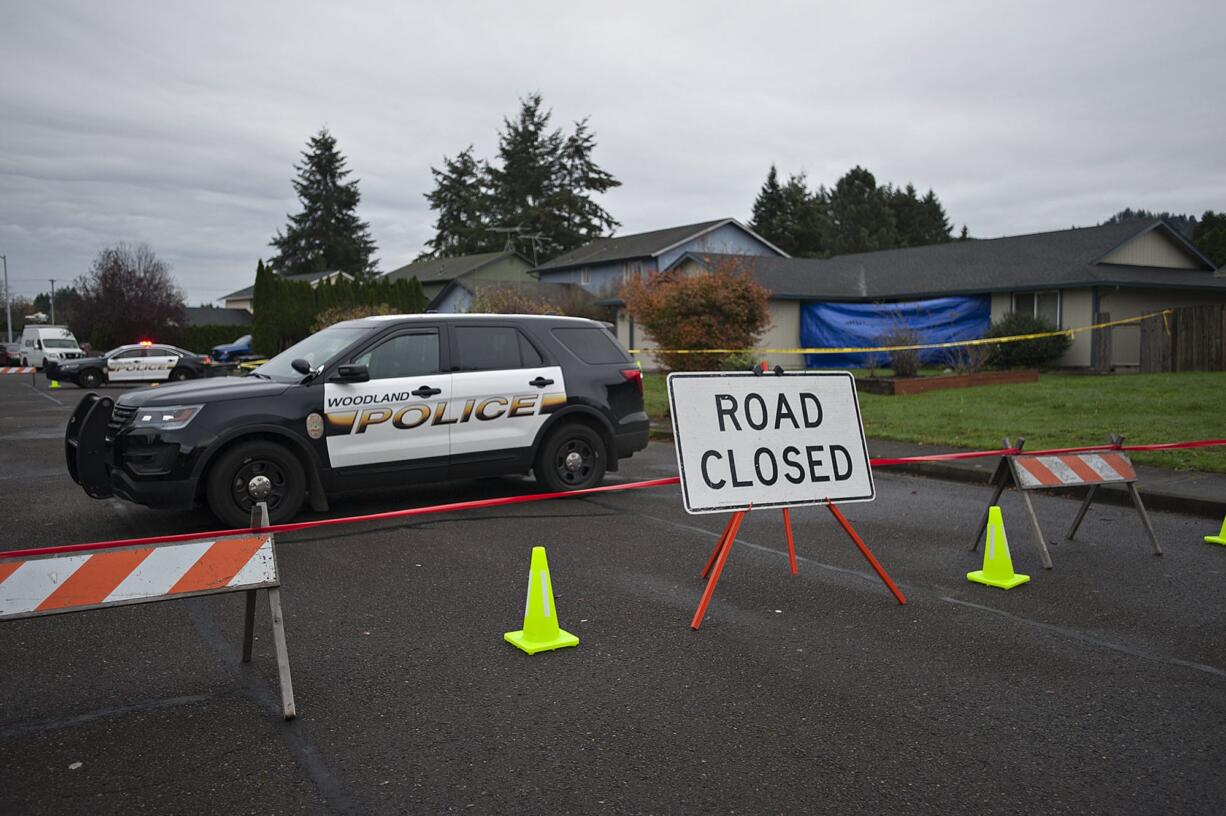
729	537
855	537
278	637
1081	513
249	625
1149	528
1001	479
787	528
1038	531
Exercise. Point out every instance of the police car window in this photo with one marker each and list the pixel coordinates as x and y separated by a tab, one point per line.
528	353
163	352
406	355
592	345
130	354
489	348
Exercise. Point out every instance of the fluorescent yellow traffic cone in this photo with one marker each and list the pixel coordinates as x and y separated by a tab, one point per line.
55	383
997	565
1220	538
540	632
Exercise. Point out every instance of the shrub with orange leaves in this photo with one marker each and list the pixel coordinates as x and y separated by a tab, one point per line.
725	309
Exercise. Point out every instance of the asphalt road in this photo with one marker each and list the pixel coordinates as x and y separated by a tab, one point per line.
1100	687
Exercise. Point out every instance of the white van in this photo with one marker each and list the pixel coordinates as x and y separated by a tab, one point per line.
40	343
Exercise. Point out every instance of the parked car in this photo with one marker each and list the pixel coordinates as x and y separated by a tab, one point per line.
142	362
41	343
10	354
372	402
231	352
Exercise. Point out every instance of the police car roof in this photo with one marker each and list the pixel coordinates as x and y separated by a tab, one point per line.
146	345
377	319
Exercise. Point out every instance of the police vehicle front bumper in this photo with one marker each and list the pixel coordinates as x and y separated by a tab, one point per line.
146	467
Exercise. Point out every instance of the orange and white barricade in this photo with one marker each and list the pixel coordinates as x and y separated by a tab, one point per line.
18	369
1052	471
33	585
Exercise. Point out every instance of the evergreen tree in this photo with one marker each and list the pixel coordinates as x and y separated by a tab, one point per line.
1210	237
542	184
327	235
937	228
858	216
964	235
264	307
789	216
461	200
768	219
1184	224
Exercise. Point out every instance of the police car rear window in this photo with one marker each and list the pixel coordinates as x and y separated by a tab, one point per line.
491	348
592	345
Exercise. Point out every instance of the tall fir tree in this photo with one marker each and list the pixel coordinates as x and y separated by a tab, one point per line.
768	218
461	201
789	216
327	236
542	184
1210	237
858	216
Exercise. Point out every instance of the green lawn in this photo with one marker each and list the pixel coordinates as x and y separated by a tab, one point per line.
1060	410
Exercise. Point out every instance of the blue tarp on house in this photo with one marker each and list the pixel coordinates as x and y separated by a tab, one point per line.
860	325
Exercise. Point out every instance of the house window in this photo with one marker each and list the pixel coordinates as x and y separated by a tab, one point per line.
585	276
1043	305
632	271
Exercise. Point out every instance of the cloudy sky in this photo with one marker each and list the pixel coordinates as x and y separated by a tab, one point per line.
178	124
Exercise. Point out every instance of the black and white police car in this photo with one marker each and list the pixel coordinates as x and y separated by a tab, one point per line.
372	402
140	362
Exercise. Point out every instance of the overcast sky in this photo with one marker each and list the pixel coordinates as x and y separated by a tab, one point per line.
178	124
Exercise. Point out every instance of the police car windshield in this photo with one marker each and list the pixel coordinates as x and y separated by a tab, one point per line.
317	349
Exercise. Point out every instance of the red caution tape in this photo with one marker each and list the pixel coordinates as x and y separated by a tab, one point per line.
536	497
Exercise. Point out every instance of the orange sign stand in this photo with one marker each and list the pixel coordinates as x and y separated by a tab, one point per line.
719	556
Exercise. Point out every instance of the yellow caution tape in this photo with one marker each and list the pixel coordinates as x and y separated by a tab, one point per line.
982	341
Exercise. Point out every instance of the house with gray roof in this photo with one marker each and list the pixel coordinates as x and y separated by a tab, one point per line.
436	273
1072	278
603	265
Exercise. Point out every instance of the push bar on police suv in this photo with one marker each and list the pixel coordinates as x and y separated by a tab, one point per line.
85	445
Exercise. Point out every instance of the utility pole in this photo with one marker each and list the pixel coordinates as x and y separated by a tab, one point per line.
52	301
8	308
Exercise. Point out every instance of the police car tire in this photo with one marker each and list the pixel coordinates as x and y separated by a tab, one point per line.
572	438
180	374
90	378
289	482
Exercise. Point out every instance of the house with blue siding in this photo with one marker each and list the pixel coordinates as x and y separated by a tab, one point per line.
603	265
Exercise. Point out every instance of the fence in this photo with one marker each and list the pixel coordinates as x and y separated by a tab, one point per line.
1190	338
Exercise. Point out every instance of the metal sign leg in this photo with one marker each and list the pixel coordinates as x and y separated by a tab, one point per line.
787	528
1149	528
249	625
278	637
719	545
1038	531
1081	513
701	612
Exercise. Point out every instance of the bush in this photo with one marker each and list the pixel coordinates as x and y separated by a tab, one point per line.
339	313
905	362
741	361
1025	353
726	309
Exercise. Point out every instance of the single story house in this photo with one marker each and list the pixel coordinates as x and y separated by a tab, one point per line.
457	297
603	265
214	316
436	273
243	297
1072	277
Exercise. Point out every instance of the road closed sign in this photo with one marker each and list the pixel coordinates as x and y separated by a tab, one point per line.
768	440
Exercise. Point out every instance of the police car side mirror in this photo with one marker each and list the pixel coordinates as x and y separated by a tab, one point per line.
352	373
301	366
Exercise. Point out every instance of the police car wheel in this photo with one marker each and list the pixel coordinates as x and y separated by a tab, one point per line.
180	374
90	378
572	458
265	469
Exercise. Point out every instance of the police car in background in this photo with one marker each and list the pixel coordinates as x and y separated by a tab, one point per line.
372	402
142	362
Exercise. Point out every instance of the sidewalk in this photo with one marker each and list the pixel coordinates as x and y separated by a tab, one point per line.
1186	491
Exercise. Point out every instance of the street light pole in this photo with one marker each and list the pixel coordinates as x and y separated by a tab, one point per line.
52	301
8	309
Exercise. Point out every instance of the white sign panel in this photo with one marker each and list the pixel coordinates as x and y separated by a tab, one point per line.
768	440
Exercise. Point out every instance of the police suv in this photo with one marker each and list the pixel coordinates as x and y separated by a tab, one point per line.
372	402
142	362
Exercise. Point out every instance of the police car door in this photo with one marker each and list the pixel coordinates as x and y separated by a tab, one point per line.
158	363
503	392
125	366
400	413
